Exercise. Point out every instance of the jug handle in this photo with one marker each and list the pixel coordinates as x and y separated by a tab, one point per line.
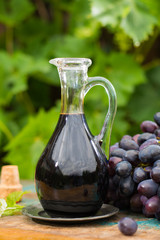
105	133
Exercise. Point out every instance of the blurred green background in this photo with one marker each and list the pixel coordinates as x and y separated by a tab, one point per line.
122	37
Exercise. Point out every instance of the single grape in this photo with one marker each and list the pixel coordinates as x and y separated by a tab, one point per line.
147	188
126	137
157	118
143	199
144	137
139	175
123	169
152	205
128	144
127	226
135	138
132	156
118	152
152	141
157	163
113	147
113	161
150	154
135	203
157	132
155	174
126	186
116	180
146	213
148	126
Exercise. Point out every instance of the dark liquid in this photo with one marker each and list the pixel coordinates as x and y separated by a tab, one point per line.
71	175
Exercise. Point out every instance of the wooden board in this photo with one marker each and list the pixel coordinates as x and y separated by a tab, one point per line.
21	227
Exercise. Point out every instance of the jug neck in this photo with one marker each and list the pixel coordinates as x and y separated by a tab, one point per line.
73	77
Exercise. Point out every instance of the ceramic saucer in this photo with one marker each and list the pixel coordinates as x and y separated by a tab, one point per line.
35	211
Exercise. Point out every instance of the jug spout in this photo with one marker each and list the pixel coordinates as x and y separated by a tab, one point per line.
71	63
73	77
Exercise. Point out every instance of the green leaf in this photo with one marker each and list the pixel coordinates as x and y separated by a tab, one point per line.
6	69
13	210
25	149
123	72
3	206
154	7
9	206
9	126
14	197
108	12
14	11
80	9
123	42
148	101
13	80
5	130
29	65
31	37
70	46
79	13
139	22
5	133
15	71
134	17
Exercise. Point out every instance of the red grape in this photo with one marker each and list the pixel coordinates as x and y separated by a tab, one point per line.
127	226
147	188
139	175
118	152
152	205
132	156
123	169
148	126
128	144
113	161
136	203
155	174
157	118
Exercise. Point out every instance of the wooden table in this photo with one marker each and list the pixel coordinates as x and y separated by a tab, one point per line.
21	227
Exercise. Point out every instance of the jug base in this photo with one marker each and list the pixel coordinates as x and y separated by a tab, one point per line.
64	208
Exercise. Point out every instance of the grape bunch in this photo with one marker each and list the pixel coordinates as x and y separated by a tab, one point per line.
134	171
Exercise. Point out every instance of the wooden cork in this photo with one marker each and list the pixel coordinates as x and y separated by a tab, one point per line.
9	180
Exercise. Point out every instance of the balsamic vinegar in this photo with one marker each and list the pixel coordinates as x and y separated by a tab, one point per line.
71	175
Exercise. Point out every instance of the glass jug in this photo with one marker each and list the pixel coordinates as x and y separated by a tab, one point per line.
71	175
